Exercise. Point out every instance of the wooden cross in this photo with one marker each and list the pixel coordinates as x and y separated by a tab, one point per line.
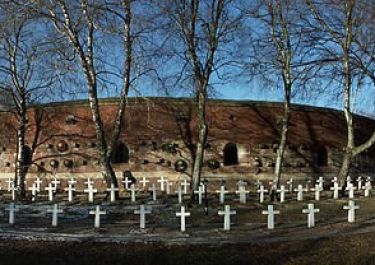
133	190
127	181
350	188
38	182
13	190
12	209
72	181
179	195
359	183
367	188
317	191
183	215
55	182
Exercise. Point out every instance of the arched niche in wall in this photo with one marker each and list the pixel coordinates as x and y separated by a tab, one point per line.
322	156
230	154
27	155
120	154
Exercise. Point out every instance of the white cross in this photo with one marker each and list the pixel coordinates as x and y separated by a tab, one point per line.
282	192
350	188
90	191
34	190
367	188
299	191
72	181
200	192
182	215
241	183
290	184
89	182
55	182
162	181
227	213
97	214
142	216
317	191
185	184
271	216
50	190
179	194
12	209
127	181
144	182
334	180
132	191
310	214
38	182
13	189
168	186
359	183
320	182
335	189
222	193
348	180
258	183
70	190
55	211
242	192
112	191
154	191
351	207
368	179
10	181
261	192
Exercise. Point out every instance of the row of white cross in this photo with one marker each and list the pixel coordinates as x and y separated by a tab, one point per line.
227	212
165	186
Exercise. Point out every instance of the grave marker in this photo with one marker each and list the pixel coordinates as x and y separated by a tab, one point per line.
127	181
299	191
282	192
242	192
182	216
142	216
320	182
34	190
12	209
112	191
132	192
97	214
227	213
90	192
185	184
55	211
179	195
154	190
10	181
350	188
261	192
144	182
38	183
335	189
317	191
89	182
367	188
50	190
13	190
222	193
290	184
200	193
310	214
55	182
271	216
70	189
351	207
72	181
162	181
359	183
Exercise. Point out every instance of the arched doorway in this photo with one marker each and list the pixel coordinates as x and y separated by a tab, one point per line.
120	154
230	154
322	157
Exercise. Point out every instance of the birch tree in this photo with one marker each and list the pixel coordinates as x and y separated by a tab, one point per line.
199	31
25	78
86	26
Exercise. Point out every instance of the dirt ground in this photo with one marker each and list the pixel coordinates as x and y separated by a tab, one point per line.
32	240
